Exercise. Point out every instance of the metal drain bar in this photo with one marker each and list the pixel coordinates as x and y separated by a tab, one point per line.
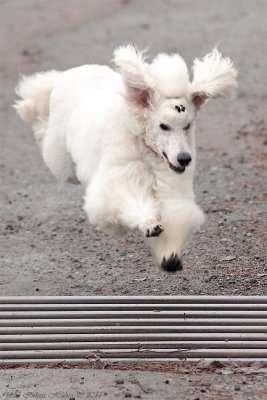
75	329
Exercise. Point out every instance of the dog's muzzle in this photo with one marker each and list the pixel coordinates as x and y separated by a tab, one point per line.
183	159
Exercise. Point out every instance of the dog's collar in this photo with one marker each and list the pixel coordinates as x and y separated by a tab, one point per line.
150	148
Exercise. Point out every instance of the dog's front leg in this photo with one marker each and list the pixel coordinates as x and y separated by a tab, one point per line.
180	219
139	210
123	197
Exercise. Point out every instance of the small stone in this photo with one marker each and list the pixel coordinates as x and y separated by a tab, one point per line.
237	387
227	258
128	395
25	52
119	382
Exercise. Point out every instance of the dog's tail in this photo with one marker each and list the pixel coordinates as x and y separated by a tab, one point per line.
33	107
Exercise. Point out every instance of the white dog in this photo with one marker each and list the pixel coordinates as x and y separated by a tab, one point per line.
128	137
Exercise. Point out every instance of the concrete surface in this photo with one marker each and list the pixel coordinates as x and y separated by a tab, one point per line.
229	383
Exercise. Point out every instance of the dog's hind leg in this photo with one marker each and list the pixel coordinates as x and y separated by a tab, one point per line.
180	219
57	158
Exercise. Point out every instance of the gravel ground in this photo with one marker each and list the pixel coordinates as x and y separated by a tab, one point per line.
46	245
44	232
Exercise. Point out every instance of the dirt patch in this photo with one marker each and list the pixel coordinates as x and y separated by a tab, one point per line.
155	381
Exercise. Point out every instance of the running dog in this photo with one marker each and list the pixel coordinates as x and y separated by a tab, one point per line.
128	136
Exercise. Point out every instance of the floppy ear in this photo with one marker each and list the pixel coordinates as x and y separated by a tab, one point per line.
130	63
214	76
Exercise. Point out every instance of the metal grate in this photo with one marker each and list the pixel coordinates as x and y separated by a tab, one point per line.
42	329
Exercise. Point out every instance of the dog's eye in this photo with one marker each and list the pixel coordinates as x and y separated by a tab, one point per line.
164	127
187	127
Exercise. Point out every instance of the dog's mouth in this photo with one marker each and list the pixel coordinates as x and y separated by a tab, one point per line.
178	170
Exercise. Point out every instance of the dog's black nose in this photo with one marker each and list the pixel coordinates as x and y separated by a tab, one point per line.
184	159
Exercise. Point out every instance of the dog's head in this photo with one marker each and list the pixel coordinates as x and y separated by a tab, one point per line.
166	102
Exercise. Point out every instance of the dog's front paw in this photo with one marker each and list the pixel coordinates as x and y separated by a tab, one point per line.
172	264
154	231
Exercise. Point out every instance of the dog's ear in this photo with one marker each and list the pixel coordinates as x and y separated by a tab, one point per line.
130	64
214	76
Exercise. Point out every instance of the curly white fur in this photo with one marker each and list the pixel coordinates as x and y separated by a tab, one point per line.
214	76
128	137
